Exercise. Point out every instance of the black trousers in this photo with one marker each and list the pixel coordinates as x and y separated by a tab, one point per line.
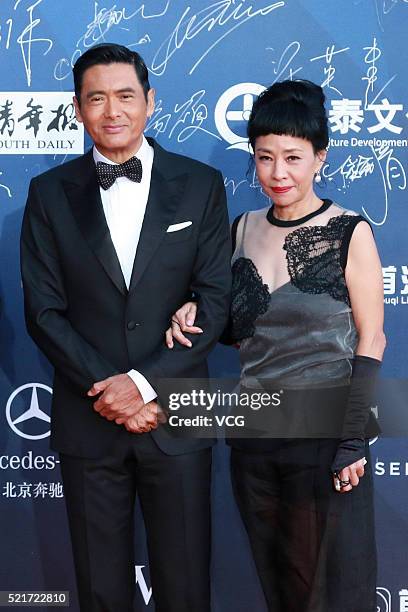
314	548
174	492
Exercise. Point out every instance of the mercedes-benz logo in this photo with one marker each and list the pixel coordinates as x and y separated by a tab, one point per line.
225	116
23	407
383	600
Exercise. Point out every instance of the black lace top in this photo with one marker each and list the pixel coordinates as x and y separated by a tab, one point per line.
290	307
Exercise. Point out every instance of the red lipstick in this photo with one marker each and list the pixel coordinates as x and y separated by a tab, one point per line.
280	189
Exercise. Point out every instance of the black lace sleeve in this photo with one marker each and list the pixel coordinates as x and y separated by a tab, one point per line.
250	298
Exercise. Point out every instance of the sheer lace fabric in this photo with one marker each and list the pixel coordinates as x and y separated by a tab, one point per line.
279	253
290	304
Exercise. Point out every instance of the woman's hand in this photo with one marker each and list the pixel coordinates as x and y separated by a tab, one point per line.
183	321
349	476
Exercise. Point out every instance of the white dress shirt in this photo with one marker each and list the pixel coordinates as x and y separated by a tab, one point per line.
124	205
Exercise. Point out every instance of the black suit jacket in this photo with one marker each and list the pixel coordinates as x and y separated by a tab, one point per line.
78	309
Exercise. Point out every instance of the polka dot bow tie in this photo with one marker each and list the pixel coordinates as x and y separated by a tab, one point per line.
108	173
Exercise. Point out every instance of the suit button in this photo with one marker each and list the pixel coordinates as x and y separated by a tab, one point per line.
132	325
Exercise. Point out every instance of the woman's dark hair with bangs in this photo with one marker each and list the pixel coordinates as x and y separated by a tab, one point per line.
291	108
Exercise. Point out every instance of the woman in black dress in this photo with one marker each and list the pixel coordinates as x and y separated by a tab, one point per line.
307	313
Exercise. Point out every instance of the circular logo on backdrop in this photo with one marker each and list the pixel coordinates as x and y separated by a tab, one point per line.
383	600
232	113
28	409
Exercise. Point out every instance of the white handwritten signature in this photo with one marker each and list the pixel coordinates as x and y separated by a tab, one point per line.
329	69
103	21
26	40
372	56
252	183
187	118
384	7
352	169
392	174
6	189
283	68
388	5
223	14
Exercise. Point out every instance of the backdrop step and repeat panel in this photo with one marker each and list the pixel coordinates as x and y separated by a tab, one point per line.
207	61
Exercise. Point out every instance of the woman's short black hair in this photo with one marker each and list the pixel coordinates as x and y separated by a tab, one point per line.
109	53
291	108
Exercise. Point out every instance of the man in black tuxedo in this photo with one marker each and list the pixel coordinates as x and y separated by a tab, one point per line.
112	244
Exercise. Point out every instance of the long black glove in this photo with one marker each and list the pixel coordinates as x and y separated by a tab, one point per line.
362	386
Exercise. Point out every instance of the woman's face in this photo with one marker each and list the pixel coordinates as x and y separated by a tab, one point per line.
285	166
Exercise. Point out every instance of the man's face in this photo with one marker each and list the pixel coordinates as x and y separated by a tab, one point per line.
114	109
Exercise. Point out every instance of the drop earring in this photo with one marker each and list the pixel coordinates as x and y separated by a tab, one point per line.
317	177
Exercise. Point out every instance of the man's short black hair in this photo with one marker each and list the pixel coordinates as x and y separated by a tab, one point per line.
291	108
109	53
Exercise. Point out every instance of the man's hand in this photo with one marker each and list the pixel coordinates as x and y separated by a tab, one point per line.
148	418
120	398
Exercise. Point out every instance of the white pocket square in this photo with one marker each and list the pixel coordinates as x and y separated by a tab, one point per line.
179	226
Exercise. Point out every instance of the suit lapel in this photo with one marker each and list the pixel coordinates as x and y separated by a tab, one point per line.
84	197
165	193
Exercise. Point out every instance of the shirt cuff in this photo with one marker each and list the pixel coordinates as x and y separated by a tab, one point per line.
146	390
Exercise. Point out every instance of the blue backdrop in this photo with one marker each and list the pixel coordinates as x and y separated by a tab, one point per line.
207	61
